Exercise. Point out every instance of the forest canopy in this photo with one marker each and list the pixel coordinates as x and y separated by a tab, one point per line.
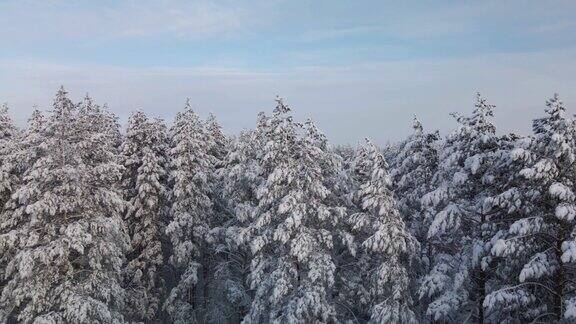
156	222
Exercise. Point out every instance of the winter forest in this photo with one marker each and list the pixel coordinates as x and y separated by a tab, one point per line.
177	223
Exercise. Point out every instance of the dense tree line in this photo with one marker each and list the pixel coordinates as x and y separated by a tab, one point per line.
180	223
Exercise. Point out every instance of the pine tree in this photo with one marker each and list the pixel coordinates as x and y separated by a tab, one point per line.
8	143
412	171
25	150
191	215
9	168
28	148
144	159
217	140
505	207
379	280
65	236
103	129
241	179
461	231
227	259
538	245
292	271
7	128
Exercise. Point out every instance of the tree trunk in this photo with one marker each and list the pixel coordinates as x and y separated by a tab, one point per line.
207	268
201	289
559	278
481	295
481	280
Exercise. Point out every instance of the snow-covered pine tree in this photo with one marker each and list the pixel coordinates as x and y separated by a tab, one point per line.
103	127
144	159
351	296
346	152
25	150
7	128
540	202
190	215
461	231
218	146
241	177
65	236
9	172
506	205
225	268
412	170
28	149
218	141
379	278
8	144
292	271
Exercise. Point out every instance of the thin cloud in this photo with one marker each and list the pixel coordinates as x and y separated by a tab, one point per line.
375	99
124	19
323	34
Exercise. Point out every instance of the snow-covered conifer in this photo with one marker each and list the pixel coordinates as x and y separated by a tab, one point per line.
217	149
29	150
144	159
190	215
412	170
9	166
460	232
218	141
8	143
102	124
538	245
379	278
23	152
65	236
7	128
240	176
292	271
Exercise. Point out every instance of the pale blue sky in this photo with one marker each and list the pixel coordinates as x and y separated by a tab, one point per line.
360	68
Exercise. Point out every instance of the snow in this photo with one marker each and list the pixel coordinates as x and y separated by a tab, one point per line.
536	268
568	251
560	191
565	212
185	224
570	312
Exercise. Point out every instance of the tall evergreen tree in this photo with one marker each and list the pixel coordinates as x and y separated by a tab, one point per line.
190	215
292	271
379	281
412	171
461	231
65	236
241	178
539	242
7	127
8	143
9	169
217	140
103	129
144	159
28	149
